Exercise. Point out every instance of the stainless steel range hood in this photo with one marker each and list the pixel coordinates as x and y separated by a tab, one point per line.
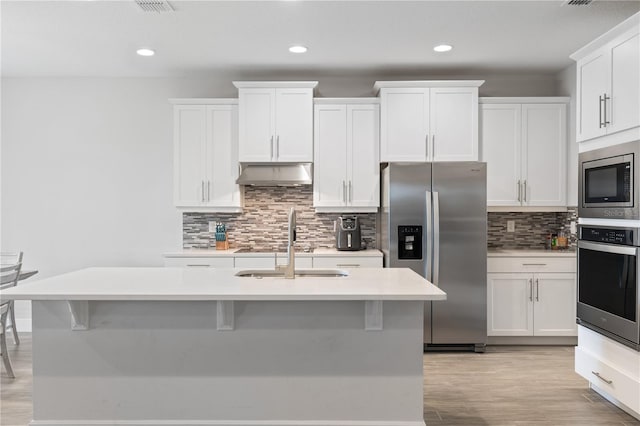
265	174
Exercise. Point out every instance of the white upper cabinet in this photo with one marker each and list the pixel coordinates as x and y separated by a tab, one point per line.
428	120
608	86
346	158
275	121
524	143
206	155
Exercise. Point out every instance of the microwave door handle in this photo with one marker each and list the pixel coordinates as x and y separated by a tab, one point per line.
608	248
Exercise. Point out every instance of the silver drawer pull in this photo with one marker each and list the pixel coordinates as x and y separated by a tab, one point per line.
203	266
595	373
534	264
348	265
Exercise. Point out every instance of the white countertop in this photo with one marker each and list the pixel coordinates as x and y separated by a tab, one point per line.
531	253
221	284
318	252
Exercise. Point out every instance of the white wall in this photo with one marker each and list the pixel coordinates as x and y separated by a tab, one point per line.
87	162
567	87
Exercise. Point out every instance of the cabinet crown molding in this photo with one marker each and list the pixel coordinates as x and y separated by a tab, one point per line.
525	100
203	101
275	84
630	25
426	83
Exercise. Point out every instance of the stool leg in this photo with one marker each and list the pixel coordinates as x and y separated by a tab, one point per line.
5	354
12	310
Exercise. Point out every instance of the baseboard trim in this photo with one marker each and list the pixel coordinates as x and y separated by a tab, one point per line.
533	340
223	423
606	395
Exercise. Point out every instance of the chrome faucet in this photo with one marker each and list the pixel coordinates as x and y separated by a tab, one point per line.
289	269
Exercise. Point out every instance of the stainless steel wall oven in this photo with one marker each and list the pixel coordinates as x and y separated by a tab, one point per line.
608	271
608	184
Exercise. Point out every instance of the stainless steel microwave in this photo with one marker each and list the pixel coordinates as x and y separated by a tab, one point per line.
608	184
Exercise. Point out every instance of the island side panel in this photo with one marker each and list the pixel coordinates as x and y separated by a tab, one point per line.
286	361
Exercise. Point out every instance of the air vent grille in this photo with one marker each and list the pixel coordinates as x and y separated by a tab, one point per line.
157	6
579	2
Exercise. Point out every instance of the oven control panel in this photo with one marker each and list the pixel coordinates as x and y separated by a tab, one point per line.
624	236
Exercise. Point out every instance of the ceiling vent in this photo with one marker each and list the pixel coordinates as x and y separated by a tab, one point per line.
157	6
579	2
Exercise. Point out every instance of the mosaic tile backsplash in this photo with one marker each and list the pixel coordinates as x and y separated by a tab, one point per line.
531	229
263	224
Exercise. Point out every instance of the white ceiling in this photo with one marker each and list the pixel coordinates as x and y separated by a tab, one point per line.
99	38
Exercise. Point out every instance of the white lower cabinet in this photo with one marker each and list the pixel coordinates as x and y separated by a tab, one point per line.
611	368
256	262
347	262
524	302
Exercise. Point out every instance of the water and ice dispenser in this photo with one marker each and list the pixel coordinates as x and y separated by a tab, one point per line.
409	242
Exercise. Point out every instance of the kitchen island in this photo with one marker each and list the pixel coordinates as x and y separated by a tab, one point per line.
190	346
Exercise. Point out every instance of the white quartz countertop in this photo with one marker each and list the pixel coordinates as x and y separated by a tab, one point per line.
318	252
221	284
531	253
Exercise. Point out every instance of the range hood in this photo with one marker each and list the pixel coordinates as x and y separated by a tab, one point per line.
266	174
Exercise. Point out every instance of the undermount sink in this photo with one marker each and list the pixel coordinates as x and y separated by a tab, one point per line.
270	273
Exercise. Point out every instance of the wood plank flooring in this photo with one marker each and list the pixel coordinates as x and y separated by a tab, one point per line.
507	386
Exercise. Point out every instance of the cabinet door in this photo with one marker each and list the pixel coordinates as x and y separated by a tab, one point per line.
593	83
404	124
347	262
509	305
363	163
222	156
330	158
500	130
554	307
189	133
454	124
294	125
544	144
257	125
623	110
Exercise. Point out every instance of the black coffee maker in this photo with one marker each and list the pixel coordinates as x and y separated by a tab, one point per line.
348	235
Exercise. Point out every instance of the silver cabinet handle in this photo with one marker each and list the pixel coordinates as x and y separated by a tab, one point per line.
202	190
595	373
600	110
534	264
525	191
606	98
426	147
519	192
344	191
433	147
531	289
350	192
199	266
348	265
277	146
208	190
537	291
271	142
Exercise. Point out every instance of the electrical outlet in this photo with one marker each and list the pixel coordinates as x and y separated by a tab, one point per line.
573	227
212	227
511	226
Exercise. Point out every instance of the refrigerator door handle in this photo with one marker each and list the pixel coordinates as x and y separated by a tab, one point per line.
436	238
427	236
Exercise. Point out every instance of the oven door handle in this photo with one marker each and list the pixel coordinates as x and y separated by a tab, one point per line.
608	248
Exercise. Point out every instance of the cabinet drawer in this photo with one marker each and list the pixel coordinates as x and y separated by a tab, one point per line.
603	376
347	262
211	262
531	264
257	262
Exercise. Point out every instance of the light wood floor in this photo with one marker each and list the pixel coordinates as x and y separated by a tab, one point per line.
507	386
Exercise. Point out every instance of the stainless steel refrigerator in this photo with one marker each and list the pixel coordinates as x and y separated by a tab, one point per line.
433	219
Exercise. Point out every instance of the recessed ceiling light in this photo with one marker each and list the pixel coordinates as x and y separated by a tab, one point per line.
297	49
145	52
443	48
